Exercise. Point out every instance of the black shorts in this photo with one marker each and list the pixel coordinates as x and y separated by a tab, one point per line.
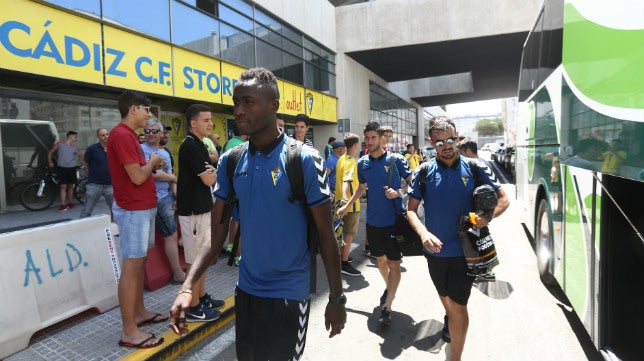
450	278
66	175
382	242
270	328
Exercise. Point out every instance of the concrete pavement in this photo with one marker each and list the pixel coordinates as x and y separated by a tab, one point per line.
514	318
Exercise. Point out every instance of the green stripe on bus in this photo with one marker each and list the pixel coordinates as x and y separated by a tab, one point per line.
604	64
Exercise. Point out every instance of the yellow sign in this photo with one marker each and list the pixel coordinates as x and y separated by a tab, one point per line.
321	106
144	65
41	40
38	39
196	76
229	75
291	98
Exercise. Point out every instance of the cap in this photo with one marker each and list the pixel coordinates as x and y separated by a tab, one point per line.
337	144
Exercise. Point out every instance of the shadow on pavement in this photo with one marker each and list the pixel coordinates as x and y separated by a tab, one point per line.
404	333
498	290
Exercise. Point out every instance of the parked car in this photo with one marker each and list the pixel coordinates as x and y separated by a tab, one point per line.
498	154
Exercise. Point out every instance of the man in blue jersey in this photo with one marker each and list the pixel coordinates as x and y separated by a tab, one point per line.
384	201
447	197
274	270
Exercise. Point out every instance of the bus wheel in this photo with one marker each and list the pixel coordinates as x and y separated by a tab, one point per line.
543	239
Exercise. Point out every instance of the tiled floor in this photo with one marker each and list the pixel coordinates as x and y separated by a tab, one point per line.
94	336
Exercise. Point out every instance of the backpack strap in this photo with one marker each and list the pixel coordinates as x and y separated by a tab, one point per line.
234	155
295	175
422	177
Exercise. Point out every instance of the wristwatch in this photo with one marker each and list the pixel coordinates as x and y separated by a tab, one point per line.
339	300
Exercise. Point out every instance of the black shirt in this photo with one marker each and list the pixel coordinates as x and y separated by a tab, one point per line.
193	197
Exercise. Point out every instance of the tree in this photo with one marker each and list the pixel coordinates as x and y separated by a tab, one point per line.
489	127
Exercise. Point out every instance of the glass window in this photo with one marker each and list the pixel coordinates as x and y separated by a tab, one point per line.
203	33
292	70
240	5
236	46
269	36
84	6
209	6
267	20
236	19
270	58
292	47
136	15
292	34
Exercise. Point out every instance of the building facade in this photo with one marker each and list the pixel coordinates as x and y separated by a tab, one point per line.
64	62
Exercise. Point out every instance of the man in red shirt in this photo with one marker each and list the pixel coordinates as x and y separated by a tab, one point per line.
134	210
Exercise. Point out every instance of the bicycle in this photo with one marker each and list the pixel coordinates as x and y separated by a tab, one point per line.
40	194
80	187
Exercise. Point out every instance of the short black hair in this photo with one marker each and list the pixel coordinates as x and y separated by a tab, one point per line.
303	118
194	110
585	144
441	124
373	126
71	132
468	143
129	98
265	79
331	139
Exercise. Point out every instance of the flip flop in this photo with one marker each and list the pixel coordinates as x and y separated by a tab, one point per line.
142	343
154	319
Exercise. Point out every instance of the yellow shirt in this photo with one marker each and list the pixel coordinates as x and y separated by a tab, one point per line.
613	160
347	170
414	160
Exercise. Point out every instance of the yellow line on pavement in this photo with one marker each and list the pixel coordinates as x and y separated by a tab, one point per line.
174	345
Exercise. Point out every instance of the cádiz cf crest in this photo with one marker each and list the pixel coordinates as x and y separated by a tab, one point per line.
275	175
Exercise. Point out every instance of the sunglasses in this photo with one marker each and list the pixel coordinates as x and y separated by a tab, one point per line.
144	107
152	131
440	143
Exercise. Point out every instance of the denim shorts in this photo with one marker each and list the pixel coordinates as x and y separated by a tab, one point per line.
136	231
165	220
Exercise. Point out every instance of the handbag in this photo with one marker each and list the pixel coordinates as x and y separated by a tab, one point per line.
406	237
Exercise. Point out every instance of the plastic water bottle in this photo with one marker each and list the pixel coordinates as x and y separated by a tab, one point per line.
41	188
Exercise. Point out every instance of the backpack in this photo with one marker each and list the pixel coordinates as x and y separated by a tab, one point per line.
424	167
295	175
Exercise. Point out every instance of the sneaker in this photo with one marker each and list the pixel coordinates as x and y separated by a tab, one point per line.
385	317
228	249
383	298
62	208
348	269
488	277
367	253
237	260
70	205
211	302
445	334
201	313
350	259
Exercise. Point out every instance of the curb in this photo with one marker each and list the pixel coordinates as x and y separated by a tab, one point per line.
175	345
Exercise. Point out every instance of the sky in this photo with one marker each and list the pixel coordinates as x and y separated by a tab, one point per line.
473	108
